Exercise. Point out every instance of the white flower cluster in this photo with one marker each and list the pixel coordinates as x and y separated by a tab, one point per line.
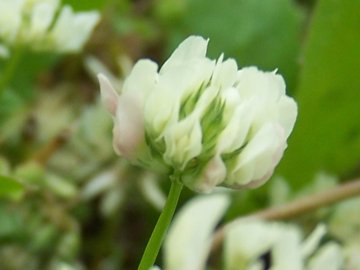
248	245
42	25
205	120
345	226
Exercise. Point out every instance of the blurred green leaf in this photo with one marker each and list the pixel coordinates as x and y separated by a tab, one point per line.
10	187
11	223
256	32
30	66
10	103
327	134
84	5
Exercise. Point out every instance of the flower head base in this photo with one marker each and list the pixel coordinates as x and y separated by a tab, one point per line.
203	119
34	23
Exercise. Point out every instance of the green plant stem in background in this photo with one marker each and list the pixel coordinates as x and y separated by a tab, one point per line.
9	70
158	234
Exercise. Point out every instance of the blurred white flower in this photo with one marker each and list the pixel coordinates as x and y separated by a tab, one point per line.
351	256
150	188
72	30
345	221
190	236
248	245
328	257
204	119
32	23
344	224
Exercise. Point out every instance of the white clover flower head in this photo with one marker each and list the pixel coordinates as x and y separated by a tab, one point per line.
33	23
207	120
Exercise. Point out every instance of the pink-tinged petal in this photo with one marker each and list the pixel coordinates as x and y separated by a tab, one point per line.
129	127
275	160
109	96
213	174
259	158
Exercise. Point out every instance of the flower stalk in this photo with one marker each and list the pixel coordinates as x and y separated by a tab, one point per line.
153	246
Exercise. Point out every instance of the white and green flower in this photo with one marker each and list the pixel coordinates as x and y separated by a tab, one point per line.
205	120
35	24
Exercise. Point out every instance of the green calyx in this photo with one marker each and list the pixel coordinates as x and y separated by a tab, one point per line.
189	103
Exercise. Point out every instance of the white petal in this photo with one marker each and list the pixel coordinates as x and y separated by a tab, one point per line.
189	240
183	142
254	82
186	78
100	183
258	159
213	174
313	240
286	253
129	126
246	241
142	78
81	25
41	17
152	192
191	48
108	94
287	114
232	99
163	103
225	73
10	19
237	129
351	255
328	257
345	221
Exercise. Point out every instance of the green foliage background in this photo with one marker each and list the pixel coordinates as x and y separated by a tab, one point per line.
55	137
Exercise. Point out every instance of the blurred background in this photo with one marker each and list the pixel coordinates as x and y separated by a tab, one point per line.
68	202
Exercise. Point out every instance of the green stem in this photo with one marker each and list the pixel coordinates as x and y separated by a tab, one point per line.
158	234
10	68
